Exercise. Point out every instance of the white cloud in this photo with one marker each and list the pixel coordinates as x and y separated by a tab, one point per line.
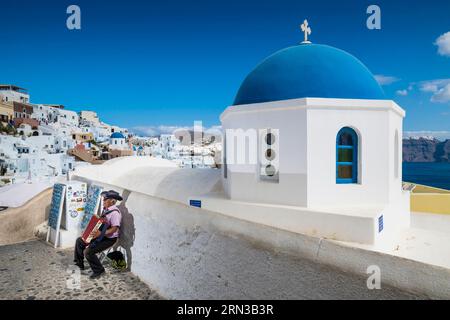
440	89
385	80
433	85
402	92
154	131
443	44
439	135
442	95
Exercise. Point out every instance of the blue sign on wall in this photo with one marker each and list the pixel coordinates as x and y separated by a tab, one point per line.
93	198
380	224
57	201
195	203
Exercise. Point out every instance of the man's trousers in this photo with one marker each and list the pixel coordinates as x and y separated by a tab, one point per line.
83	250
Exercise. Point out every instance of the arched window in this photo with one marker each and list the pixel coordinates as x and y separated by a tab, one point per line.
347	156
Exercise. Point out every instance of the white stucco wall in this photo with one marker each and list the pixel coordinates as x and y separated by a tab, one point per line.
12	95
188	253
307	152
395	174
244	181
67	117
374	149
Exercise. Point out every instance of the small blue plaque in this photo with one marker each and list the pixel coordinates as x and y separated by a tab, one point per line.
195	203
380	224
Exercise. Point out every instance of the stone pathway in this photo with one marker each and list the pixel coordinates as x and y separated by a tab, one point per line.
34	270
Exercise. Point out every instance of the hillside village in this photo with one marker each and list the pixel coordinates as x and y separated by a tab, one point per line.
44	142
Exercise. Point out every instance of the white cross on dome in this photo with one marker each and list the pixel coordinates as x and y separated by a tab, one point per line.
306	30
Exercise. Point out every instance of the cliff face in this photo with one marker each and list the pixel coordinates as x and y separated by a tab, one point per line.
426	150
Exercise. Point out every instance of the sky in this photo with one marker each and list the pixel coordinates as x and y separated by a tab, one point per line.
158	65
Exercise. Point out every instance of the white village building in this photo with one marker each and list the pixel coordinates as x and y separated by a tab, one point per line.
45	114
36	157
61	134
26	130
167	147
14	93
90	122
101	132
89	117
67	118
45	143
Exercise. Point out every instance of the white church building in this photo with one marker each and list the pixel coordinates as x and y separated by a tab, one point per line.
118	141
312	144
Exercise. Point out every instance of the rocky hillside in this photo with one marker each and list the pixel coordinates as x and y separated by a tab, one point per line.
426	150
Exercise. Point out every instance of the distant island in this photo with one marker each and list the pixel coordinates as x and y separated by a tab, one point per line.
426	150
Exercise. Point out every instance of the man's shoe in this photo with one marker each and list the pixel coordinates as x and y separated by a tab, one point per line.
96	275
80	265
85	273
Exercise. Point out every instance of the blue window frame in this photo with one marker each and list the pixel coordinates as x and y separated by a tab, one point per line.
346	156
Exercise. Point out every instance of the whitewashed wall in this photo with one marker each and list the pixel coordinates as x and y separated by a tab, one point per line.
374	151
244	183
307	152
191	253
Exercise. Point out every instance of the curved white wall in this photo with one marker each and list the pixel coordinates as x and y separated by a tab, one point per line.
190	253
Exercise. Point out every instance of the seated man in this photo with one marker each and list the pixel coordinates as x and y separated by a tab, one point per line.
113	218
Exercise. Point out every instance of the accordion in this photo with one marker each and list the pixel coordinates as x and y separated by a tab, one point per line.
95	224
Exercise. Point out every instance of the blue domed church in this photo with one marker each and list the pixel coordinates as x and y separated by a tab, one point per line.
312	144
117	141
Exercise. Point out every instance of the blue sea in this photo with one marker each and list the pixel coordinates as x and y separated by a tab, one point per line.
430	174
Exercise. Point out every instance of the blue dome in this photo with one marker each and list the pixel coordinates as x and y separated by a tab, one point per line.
117	135
309	71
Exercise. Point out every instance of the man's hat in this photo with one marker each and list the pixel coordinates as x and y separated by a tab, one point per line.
111	194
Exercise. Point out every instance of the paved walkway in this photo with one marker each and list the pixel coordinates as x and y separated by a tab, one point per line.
34	270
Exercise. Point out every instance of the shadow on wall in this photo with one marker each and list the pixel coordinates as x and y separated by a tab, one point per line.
19	224
127	230
47	211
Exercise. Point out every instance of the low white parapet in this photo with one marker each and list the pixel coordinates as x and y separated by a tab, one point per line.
355	224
